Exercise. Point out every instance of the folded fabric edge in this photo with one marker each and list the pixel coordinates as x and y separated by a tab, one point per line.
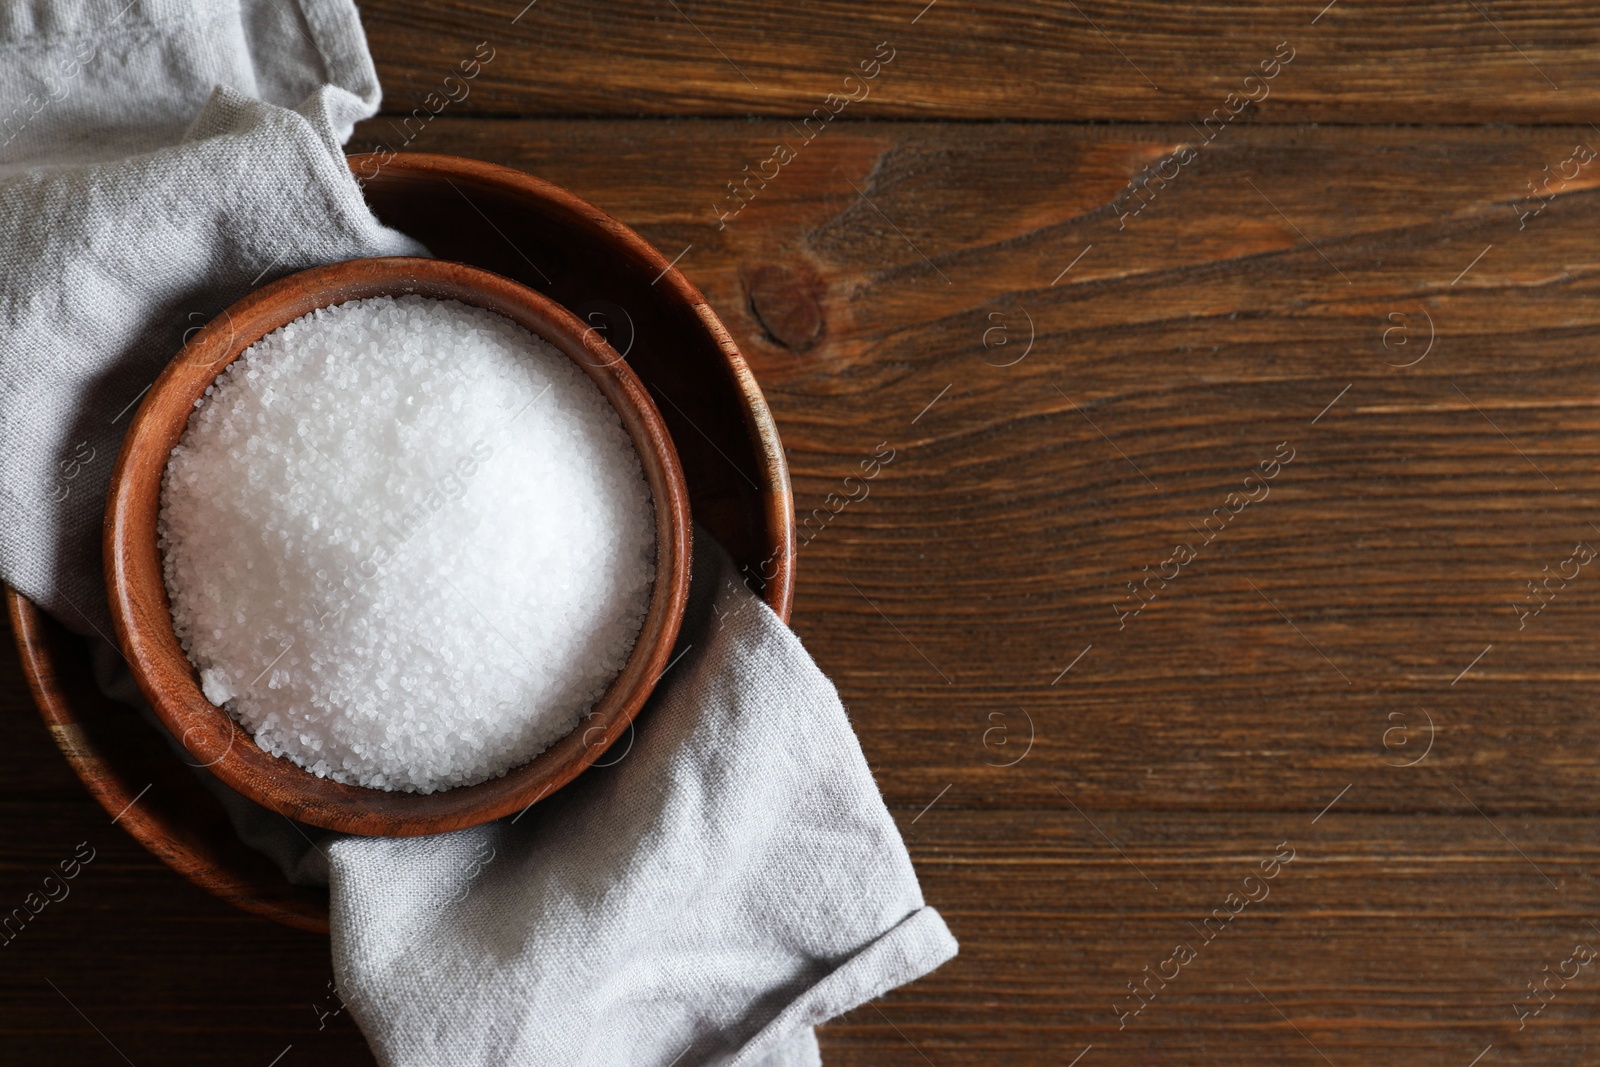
56	36
915	946
341	42
801	1050
228	111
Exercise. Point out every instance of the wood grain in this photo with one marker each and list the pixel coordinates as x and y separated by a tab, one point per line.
1438	61
1187	319
1305	649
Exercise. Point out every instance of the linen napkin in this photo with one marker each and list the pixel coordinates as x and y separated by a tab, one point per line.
109	263
730	879
727	881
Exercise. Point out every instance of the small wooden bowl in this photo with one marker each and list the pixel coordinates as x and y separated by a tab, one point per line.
142	612
507	221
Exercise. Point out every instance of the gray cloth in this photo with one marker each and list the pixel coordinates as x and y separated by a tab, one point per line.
108	265
729	879
96	80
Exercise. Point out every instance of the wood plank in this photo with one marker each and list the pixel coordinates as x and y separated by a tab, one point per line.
165	972
1388	61
1396	939
1194	336
1388	939
1176	355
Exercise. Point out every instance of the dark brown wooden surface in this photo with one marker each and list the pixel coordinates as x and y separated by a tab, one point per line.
1449	61
1271	694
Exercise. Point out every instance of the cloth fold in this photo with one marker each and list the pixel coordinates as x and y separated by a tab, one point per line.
728	879
89	80
111	264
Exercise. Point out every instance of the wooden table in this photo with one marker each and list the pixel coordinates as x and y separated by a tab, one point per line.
1310	363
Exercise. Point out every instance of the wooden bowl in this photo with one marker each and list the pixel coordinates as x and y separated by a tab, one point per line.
470	211
142	613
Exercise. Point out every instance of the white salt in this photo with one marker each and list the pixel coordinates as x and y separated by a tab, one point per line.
408	544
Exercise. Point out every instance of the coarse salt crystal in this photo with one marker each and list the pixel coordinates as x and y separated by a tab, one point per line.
435	529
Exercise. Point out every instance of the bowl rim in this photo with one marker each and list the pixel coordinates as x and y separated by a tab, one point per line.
141	612
776	492
81	721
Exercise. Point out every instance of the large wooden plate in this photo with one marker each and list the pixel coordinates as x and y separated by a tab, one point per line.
514	224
